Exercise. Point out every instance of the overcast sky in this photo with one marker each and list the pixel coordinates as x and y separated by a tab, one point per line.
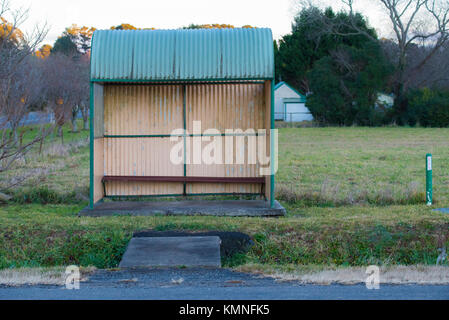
170	14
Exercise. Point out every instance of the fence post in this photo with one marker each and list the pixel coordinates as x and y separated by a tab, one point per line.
429	179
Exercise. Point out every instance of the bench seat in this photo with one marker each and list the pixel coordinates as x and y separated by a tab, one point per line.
182	179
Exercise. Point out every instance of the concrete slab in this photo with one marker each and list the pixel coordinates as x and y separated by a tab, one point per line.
172	252
444	210
236	208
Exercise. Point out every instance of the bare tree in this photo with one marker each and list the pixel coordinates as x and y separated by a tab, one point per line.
415	23
81	90
62	89
435	74
19	83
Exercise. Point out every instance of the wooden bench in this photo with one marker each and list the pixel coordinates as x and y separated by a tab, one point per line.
182	179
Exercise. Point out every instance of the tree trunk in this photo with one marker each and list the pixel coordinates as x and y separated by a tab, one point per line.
74	125
16	136
85	115
85	124
59	131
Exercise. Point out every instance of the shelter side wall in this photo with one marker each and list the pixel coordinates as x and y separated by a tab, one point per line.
98	142
98	169
279	108
98	111
267	126
225	107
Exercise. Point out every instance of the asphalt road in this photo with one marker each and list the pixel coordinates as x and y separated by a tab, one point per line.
212	284
293	292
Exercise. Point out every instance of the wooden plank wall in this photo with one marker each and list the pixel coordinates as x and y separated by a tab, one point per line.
98	142
225	106
143	109
267	126
98	168
141	157
157	110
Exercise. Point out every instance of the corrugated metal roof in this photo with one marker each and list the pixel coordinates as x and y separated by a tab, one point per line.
184	54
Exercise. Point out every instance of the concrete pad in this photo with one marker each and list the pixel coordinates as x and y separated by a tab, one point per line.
444	210
235	208
172	252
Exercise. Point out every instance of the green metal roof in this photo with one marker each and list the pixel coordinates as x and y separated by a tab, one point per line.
184	54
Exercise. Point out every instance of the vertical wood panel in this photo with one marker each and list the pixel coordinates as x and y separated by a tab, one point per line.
268	126
142	109
225	106
98	169
157	110
98	110
141	157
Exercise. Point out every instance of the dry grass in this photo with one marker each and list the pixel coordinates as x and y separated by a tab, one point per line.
417	274
60	167
64	150
38	276
329	195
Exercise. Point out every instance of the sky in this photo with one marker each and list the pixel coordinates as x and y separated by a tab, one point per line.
171	14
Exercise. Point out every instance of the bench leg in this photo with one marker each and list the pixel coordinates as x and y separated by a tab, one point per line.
104	188
262	191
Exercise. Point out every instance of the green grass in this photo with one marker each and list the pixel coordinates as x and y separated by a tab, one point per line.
36	235
345	166
61	168
354	197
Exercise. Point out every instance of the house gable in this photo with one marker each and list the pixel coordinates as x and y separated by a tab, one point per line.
284	91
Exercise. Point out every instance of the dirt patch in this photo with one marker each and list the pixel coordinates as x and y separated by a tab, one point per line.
231	242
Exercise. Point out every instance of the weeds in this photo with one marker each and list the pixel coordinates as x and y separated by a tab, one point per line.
64	150
330	196
44	195
53	235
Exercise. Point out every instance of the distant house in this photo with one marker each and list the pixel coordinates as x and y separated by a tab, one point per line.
290	105
384	101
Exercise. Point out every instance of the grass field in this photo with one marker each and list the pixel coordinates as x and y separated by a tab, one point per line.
345	166
355	196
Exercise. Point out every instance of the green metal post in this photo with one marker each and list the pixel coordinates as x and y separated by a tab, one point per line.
272	147
184	116
429	179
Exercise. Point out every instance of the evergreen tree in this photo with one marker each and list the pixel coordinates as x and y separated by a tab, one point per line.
345	86
65	45
310	41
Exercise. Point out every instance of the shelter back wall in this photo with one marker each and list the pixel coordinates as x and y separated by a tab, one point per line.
134	112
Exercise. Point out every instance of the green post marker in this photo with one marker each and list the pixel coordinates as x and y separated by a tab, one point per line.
429	179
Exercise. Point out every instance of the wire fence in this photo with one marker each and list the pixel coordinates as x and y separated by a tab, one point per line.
293	116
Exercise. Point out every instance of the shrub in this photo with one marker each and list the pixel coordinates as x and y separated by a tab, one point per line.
345	85
428	108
